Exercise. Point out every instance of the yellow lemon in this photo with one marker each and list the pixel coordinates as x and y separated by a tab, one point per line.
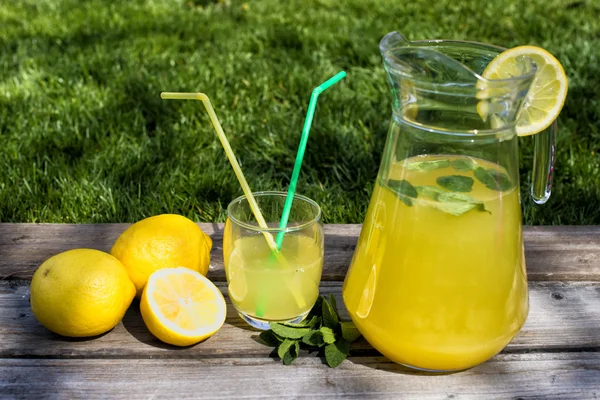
81	292
182	307
548	91
162	241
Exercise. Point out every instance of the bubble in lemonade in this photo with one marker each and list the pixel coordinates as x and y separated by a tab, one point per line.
438	280
258	282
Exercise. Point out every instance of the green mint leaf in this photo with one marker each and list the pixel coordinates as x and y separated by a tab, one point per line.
270	339
463	165
328	335
450	197
493	179
292	353
349	331
306	323
316	311
314	321
288	351
456	183
482	207
333	303
288	332
406	201
502	179
404	189
427	165
457	203
456	209
429	191
330	318
336	352
313	338
284	347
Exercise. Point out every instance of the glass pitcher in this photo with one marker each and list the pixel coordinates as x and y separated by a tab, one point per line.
437	281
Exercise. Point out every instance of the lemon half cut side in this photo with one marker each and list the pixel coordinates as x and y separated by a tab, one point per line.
182	307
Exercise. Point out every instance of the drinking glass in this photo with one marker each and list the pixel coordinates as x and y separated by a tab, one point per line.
266	285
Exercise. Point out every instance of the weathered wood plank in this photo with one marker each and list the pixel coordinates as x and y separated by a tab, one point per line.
563	316
23	247
552	253
560	375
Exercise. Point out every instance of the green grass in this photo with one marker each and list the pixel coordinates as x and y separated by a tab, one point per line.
84	136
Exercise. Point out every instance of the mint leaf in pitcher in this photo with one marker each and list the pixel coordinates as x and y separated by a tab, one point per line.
427	165
457	203
405	189
493	179
429	191
463	164
456	209
456	183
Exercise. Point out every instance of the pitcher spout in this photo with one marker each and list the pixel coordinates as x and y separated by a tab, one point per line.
444	77
391	41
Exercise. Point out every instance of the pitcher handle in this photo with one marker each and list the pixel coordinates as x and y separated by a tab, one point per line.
543	164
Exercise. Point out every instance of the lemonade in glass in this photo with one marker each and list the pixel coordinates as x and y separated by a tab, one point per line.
266	286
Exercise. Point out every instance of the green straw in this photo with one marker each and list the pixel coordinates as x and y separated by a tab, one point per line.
261	301
312	105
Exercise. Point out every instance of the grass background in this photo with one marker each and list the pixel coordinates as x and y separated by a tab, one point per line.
84	136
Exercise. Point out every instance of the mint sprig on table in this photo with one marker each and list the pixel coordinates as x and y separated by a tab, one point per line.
322	330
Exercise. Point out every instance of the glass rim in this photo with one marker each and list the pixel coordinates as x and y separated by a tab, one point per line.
274	193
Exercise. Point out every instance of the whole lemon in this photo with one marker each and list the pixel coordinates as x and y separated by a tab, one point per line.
162	241
81	292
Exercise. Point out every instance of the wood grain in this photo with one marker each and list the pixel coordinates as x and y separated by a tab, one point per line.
563	316
560	375
554	253
556	354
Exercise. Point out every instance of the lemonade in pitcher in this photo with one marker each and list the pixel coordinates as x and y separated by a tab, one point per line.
438	279
416	252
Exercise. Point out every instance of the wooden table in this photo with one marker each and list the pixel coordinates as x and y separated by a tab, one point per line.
557	354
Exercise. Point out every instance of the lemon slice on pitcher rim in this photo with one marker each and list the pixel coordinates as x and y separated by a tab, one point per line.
548	91
181	307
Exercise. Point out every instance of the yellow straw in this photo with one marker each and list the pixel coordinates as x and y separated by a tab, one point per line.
242	180
236	167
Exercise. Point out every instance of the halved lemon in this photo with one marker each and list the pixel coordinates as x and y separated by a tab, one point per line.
181	307
548	90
